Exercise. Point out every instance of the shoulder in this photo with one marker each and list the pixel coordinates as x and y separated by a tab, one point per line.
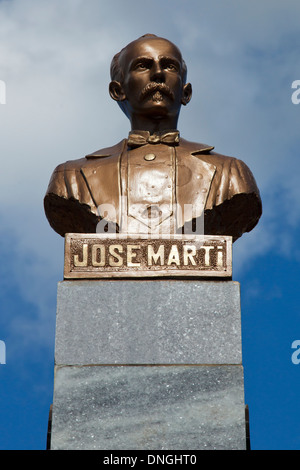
221	161
69	165
77	164
194	148
108	151
206	152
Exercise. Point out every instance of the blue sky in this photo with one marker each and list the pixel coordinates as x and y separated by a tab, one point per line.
242	58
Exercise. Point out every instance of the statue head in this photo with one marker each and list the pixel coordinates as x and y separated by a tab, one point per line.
148	80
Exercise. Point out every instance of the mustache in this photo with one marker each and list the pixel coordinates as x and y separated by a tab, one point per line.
152	87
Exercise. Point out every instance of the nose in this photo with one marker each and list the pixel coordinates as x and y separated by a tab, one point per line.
157	73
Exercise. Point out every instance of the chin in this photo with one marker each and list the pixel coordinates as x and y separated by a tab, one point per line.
158	108
158	113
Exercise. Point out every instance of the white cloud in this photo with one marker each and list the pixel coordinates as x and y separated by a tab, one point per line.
55	58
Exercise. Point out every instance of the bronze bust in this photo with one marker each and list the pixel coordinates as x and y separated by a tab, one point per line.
143	183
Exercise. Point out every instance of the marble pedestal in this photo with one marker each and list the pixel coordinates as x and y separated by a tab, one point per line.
148	365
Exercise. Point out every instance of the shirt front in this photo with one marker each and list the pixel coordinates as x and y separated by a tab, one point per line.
148	175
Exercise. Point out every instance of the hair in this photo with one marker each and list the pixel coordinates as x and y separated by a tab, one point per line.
116	71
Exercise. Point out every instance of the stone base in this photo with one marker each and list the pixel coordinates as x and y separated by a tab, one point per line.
149	408
148	322
148	365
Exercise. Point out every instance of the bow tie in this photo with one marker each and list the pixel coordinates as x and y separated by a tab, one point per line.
137	139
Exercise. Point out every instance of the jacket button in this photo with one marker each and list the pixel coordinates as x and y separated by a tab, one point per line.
149	157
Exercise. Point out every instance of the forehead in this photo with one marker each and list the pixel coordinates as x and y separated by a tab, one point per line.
152	48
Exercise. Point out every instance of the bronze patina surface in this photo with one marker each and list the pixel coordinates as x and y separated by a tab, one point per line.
143	183
96	256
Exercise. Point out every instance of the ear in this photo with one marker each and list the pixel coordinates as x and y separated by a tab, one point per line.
116	91
186	94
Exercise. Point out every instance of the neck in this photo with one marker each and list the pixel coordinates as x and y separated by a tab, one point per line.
159	124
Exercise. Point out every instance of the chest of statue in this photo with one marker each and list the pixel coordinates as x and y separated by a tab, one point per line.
148	176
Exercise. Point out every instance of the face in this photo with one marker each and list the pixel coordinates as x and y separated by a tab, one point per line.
153	81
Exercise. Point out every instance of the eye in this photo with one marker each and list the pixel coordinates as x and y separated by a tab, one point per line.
141	65
171	66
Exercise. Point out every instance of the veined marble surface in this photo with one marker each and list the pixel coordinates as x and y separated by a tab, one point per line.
149	407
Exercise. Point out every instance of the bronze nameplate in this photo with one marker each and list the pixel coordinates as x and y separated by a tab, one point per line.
97	256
